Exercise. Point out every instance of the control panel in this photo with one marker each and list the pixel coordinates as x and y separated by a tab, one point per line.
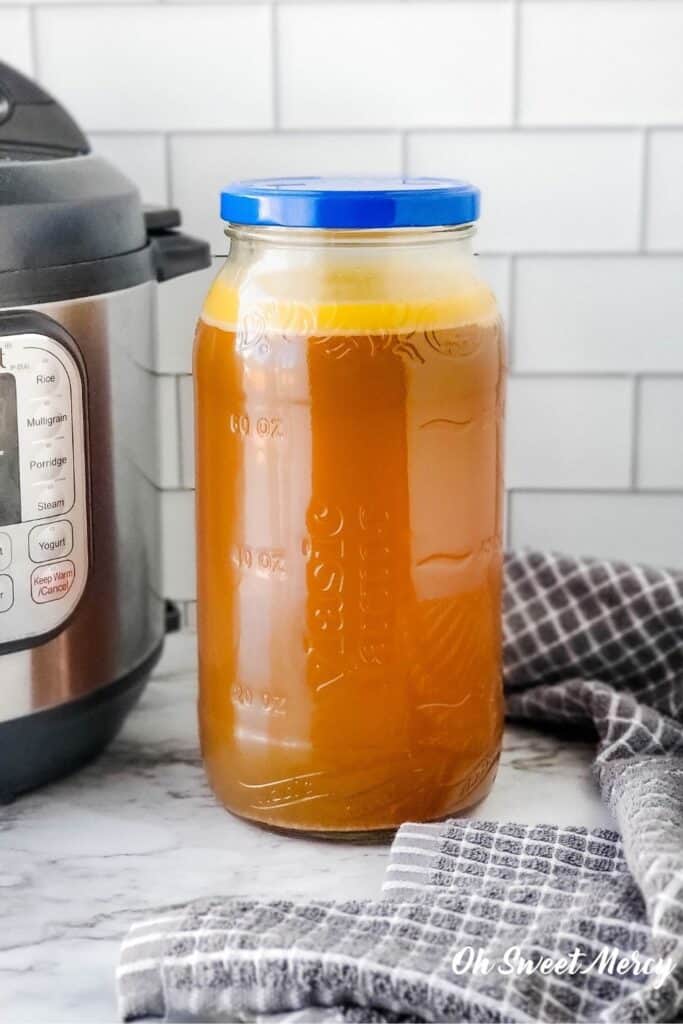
43	487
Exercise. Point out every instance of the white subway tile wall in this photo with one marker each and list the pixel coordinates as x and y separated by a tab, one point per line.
660	448
178	544
665	196
15	38
634	527
569	433
178	305
186	413
168	426
496	271
153	67
604	63
615	314
568	113
202	164
422	64
544	191
142	157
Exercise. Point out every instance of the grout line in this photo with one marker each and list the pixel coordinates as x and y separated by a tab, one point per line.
278	3
558	375
275	65
33	40
616	492
190	617
184	617
512	314
645	190
156	340
378	130
660	375
659	492
156	486
576	255
596	375
321	3
516	61
167	168
169	490
564	375
583	254
179	438
636	417
507	530
456	129
577	375
166	427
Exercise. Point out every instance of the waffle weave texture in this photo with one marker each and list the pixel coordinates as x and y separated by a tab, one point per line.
588	645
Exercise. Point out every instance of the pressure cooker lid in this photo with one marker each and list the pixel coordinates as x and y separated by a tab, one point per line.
59	203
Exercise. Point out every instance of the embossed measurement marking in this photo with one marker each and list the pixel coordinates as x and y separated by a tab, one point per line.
267	561
243	425
263	700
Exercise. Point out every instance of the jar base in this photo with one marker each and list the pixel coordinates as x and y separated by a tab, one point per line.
380	835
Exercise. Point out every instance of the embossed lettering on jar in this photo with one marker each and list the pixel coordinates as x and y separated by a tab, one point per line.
349	396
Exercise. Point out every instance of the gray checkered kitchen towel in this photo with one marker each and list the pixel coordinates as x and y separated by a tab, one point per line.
588	644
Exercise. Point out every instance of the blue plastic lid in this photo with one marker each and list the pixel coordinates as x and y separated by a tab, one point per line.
350	202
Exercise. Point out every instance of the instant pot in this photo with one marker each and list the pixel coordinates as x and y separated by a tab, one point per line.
82	616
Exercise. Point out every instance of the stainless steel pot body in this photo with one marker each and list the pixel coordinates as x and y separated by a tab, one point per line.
117	622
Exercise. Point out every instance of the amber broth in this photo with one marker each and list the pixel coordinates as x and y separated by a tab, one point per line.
349	535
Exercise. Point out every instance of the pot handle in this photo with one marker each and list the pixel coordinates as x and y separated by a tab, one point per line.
172	616
173	252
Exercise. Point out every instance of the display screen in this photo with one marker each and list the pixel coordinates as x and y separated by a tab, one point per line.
10	495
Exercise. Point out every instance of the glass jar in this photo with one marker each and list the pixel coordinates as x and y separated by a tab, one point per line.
349	373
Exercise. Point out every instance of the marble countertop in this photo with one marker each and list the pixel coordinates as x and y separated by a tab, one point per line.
139	829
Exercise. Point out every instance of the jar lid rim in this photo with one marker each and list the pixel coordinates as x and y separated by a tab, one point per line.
351	203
